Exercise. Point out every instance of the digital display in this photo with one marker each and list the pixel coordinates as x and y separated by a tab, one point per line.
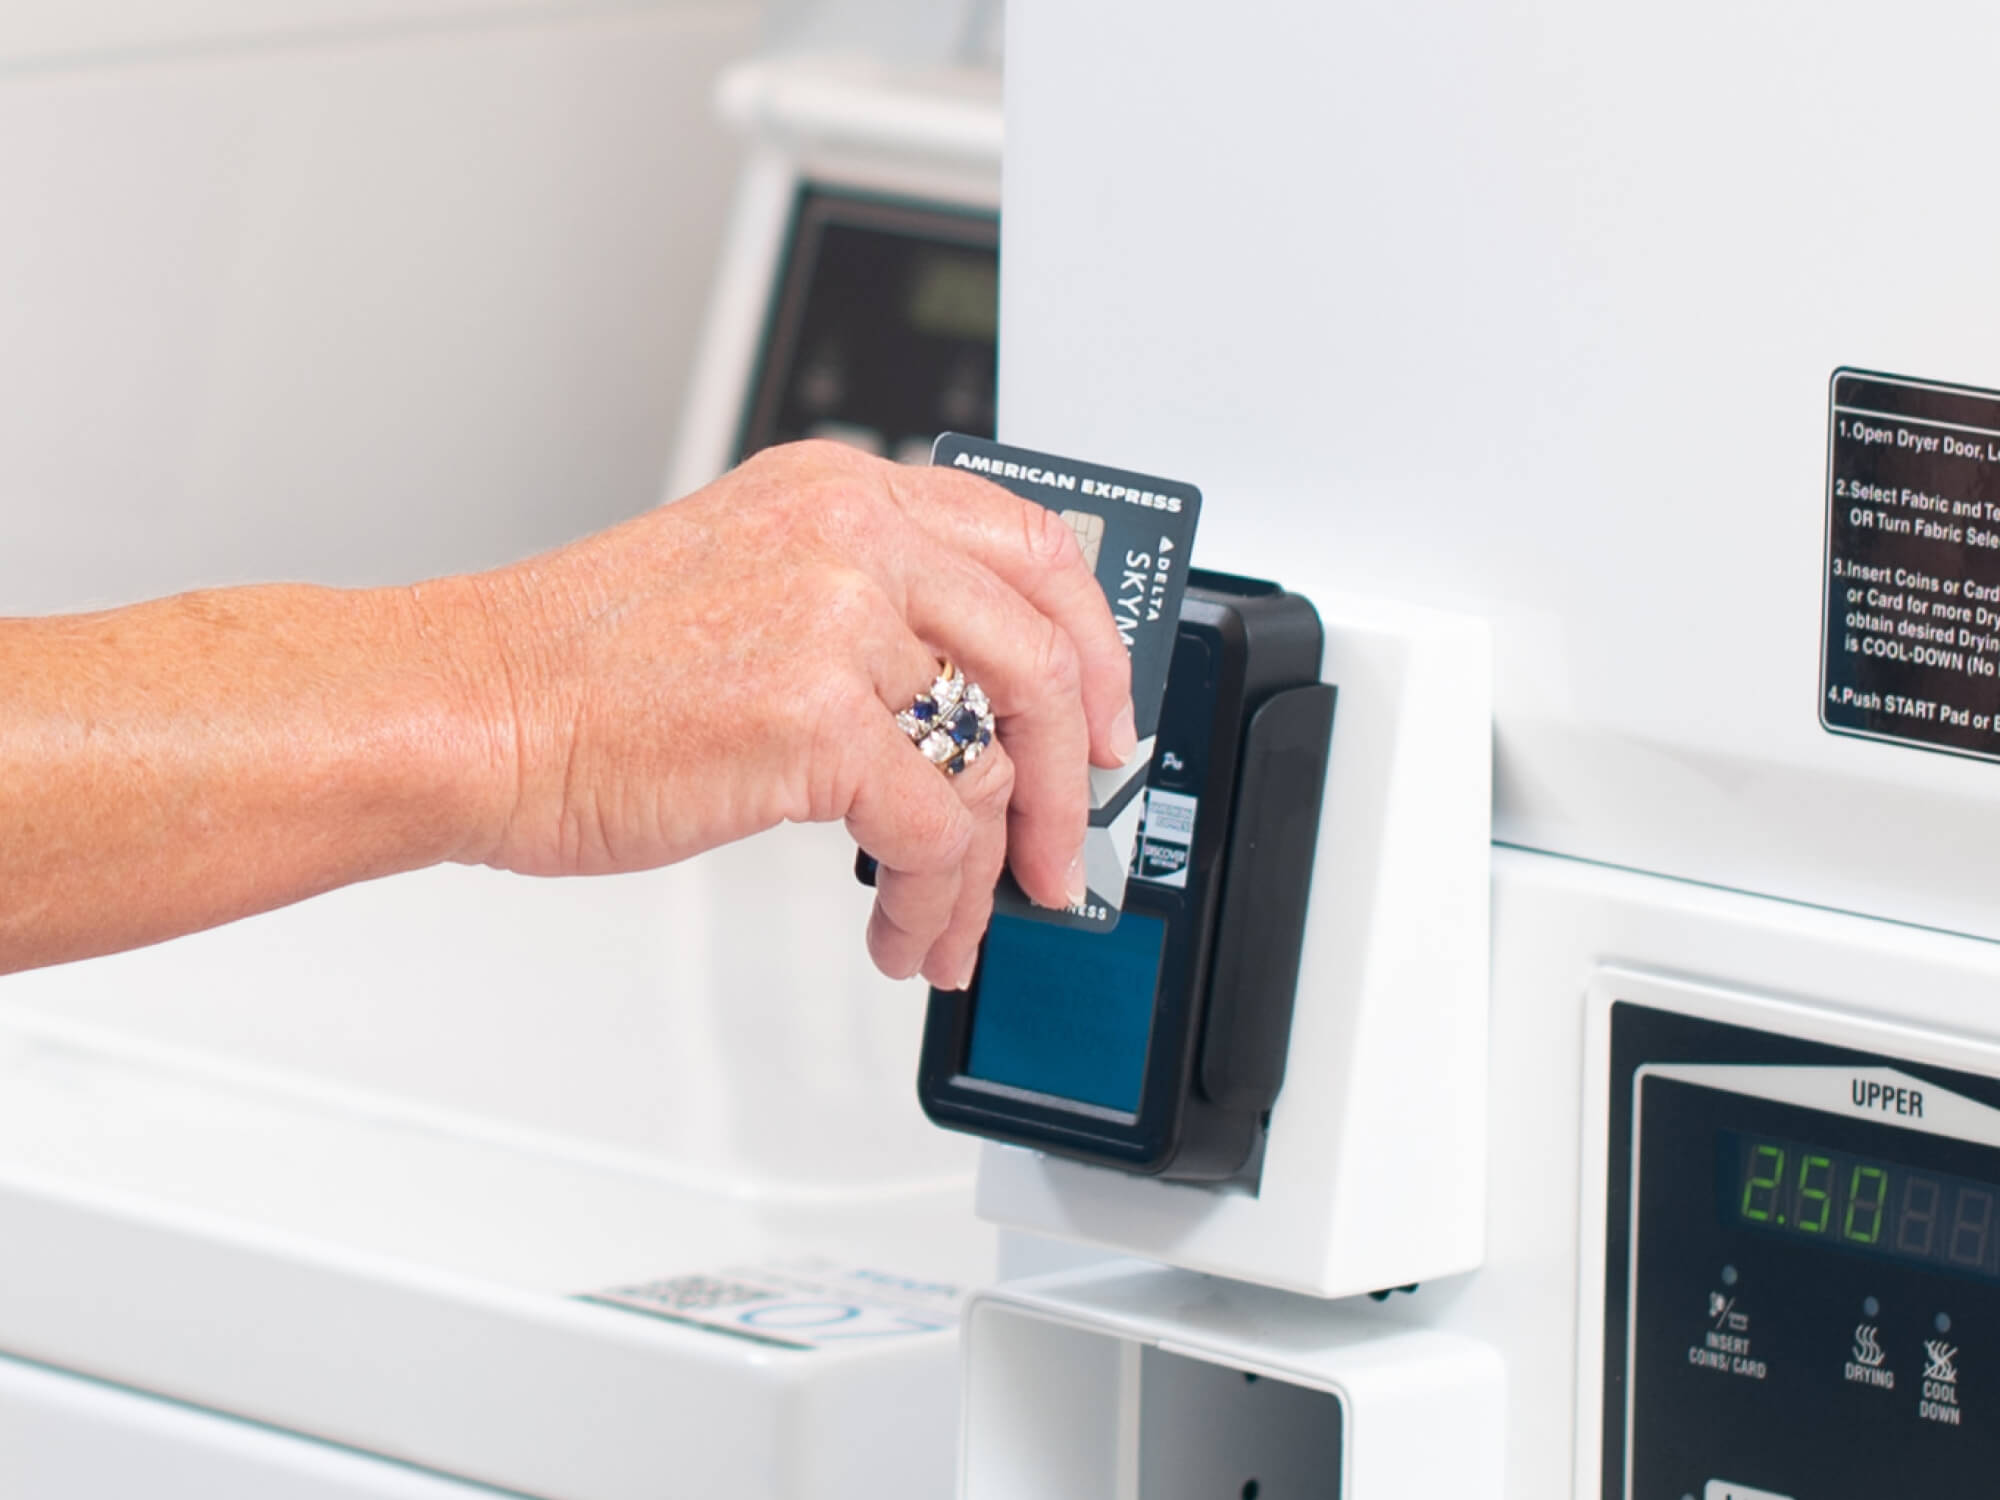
1862	1203
1067	1012
957	294
882	330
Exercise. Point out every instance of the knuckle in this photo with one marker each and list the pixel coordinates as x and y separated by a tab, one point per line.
1047	537
813	477
1056	662
850	605
842	484
815	483
989	796
849	505
781	470
942	827
837	706
916	904
834	777
831	508
886	923
812	455
830	702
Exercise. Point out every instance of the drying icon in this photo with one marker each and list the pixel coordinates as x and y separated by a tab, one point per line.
1868	1346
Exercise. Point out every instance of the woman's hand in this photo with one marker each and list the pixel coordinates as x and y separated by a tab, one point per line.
735	659
700	673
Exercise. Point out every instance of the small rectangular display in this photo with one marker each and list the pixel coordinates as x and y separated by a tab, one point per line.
956	294
1862	1203
882	331
1067	1012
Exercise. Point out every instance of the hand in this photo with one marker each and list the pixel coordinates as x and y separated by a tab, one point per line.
734	660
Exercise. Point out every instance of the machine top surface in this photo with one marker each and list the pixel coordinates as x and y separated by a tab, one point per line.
187	1228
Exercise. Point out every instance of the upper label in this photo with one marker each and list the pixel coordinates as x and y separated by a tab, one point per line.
1911	640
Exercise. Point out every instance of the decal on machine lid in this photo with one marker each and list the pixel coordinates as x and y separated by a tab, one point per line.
1911	637
800	1304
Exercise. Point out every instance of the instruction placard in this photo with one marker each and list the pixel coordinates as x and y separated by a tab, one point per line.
1911	642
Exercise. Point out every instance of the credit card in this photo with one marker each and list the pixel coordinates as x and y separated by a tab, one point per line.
1136	532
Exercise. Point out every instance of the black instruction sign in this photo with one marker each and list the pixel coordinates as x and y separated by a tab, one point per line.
1912	634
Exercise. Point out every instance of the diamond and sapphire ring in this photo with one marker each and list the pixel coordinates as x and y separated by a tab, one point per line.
952	723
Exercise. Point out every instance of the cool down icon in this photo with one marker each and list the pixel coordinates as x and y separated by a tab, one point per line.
1940	1399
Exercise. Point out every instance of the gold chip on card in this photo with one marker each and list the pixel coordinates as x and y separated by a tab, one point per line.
1088	530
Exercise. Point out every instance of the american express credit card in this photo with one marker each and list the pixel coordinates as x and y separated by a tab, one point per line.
1136	532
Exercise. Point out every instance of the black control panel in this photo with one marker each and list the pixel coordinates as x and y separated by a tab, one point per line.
883	328
1158	1047
1802	1270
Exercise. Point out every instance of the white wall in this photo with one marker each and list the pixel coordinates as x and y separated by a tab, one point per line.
905	31
368	292
398	287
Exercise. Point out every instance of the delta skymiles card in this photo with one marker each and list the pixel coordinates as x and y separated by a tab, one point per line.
1136	532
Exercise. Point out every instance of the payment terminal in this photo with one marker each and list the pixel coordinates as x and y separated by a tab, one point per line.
1158	1047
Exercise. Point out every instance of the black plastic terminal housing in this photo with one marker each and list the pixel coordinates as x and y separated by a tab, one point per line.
1164	1059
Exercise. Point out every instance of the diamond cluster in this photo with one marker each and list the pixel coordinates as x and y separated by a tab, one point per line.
952	723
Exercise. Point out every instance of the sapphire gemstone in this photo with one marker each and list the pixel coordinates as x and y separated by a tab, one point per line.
964	727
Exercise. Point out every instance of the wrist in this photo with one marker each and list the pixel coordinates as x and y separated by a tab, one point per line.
464	655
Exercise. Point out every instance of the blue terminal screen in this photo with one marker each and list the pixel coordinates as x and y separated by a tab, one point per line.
1065	1012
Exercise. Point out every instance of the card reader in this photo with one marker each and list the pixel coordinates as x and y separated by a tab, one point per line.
1158	1047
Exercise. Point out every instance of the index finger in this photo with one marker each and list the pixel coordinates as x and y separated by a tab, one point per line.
1033	550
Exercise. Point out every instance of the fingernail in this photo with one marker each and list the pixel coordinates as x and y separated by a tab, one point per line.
965	975
1124	734
1075	885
